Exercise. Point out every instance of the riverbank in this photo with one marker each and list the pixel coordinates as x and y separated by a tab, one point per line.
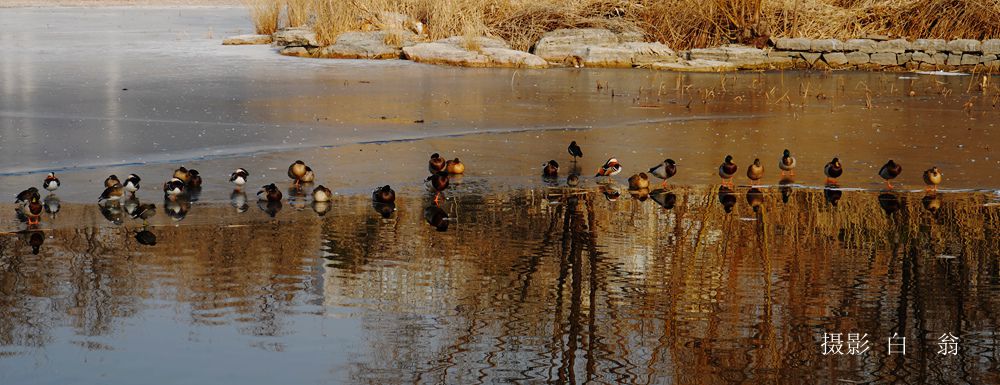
603	48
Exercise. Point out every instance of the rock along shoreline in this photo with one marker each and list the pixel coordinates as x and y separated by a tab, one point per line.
602	48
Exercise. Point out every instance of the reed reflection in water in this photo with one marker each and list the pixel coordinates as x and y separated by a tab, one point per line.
690	286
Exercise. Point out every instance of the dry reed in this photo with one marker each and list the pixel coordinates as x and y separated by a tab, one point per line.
678	23
265	15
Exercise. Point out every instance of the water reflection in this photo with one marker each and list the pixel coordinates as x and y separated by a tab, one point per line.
554	285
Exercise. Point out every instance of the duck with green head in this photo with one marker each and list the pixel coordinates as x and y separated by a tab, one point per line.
890	171
787	163
727	170
665	170
833	170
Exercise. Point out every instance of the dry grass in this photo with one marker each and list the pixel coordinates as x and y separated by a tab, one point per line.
678	23
265	15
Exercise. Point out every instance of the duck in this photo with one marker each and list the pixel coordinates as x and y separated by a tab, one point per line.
194	178
755	171
610	168
787	163
34	211
296	171
456	167
384	194
727	170
638	181
111	180
24	197
890	171
438	183
665	170
132	184
182	174
574	150
550	169
322	194
309	176
143	211
115	192
239	177
174	187
436	164
269	193
933	177
51	183
833	170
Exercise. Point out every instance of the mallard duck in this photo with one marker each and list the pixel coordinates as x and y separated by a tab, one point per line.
269	193
384	194
890	171
638	181
34	211
143	211
665	170
322	194
174	187
755	171
194	178
436	164
296	171
51	183
574	150
111	181
113	193
438	183
550	169
933	177
456	167
182	174
239	177
132	184
833	170
610	168
787	163
309	176
25	196
727	170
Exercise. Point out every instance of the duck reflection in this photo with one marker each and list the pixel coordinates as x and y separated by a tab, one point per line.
52	205
666	199
112	212
755	198
194	192
271	208
145	237
642	194
785	187
384	209
238	199
832	193
611	190
437	217
727	197
931	202
321	208
889	201
297	196
35	239
176	207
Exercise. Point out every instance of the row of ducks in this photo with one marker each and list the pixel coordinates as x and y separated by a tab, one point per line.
728	170
186	180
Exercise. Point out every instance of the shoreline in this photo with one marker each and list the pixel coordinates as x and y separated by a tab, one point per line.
602	48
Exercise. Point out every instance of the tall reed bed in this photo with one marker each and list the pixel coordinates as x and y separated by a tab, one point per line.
678	23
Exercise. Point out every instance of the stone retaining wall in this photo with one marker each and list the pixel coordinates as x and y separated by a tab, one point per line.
880	53
590	47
